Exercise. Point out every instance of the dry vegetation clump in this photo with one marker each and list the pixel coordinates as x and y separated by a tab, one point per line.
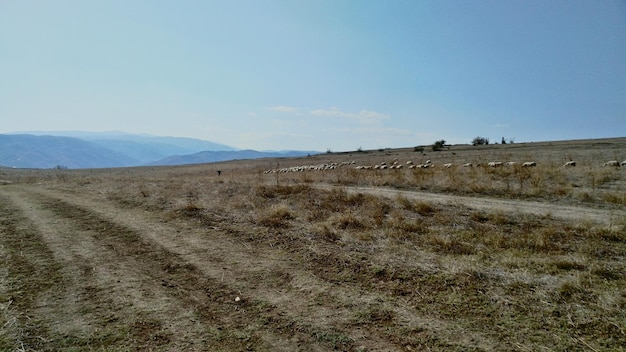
276	217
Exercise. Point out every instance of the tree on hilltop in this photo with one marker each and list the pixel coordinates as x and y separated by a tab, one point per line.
480	141
438	145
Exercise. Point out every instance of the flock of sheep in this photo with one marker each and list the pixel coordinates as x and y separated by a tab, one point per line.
317	167
613	163
409	164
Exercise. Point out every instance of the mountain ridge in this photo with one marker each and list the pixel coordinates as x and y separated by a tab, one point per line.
80	149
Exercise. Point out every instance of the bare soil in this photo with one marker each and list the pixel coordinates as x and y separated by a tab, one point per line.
184	259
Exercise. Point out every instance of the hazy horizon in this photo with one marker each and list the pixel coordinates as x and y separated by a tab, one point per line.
78	133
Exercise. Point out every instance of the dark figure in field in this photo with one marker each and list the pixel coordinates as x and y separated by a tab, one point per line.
219	172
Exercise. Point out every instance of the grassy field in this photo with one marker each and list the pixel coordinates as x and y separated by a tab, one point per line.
255	258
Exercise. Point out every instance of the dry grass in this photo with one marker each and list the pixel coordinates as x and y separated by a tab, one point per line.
408	274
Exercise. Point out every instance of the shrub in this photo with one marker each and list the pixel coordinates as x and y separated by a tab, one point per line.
438	145
480	141
277	218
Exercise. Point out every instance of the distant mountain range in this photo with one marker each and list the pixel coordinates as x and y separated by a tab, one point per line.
77	149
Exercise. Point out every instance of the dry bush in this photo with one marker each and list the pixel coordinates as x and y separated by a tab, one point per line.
609	272
568	264
615	198
276	217
424	208
327	234
349	220
338	200
374	314
420	207
274	191
378	211
405	202
449	244
479	216
403	229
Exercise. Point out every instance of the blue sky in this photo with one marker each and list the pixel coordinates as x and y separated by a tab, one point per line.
316	74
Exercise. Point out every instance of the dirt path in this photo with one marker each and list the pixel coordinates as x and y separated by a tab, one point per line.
126	277
602	216
114	285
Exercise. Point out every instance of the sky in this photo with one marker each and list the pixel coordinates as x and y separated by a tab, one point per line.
325	75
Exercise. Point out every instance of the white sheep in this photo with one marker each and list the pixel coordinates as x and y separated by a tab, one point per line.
467	165
569	163
529	164
623	163
614	163
494	164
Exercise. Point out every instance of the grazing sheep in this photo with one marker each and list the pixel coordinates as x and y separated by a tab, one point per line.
569	163
624	163
467	165
494	164
529	164
427	162
511	163
448	165
409	162
614	163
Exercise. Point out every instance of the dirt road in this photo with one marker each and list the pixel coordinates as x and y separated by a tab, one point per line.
81	273
603	216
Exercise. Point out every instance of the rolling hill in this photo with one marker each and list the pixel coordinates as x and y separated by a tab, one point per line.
44	152
76	149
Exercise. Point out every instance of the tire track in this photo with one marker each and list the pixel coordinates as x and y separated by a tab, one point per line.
30	274
90	305
287	304
175	261
209	298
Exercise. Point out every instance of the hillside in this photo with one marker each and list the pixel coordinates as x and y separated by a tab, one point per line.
44	152
144	148
215	156
76	150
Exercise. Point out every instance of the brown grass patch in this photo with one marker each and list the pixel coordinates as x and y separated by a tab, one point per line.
324	270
